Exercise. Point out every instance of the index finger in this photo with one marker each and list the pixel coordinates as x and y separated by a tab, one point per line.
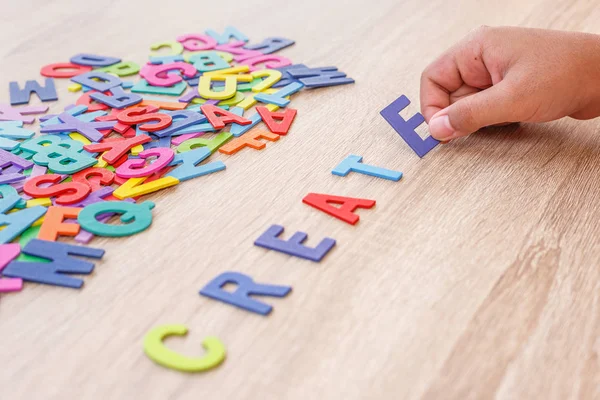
460	65
438	81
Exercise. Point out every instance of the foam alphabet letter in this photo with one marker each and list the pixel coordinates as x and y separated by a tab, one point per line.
135	218
320	77
241	296
285	119
121	69
53	273
92	60
9	252
53	224
406	129
119	98
175	47
138	115
249	139
60	159
272	77
11	167
8	144
197	42
116	149
270	45
212	144
237	70
137	168
11	175
160	354
100	81
105	176
354	163
228	91
16	223
7	191
165	105
95	197
8	159
71	124
161	142
238	98
238	130
66	193
180	119
8	113
142	86
279	98
237	48
190	167
63	161
64	70
86	100
136	187
208	61
286	78
270	61
219	117
230	33
294	246
345	212
151	73
15	130
21	96
44	142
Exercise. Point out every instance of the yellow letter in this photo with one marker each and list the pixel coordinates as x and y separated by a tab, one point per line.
227	93
156	350
273	76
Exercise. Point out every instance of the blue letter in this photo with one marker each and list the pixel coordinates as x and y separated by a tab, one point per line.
17	222
406	129
320	77
230	32
105	81
189	160
240	297
50	273
294	246
93	60
270	45
21	96
353	163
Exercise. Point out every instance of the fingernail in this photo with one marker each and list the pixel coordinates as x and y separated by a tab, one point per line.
440	128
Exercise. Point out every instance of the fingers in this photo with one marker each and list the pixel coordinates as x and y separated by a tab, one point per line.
507	74
438	81
494	105
462	66
589	112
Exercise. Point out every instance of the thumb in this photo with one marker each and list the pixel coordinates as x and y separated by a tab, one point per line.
493	105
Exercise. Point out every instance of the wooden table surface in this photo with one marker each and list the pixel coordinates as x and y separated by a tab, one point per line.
476	276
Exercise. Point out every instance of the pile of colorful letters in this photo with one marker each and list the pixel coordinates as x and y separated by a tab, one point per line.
95	159
93	162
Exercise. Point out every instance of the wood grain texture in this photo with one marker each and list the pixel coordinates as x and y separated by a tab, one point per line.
474	277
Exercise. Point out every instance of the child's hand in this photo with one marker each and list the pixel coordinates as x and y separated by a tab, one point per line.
501	75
